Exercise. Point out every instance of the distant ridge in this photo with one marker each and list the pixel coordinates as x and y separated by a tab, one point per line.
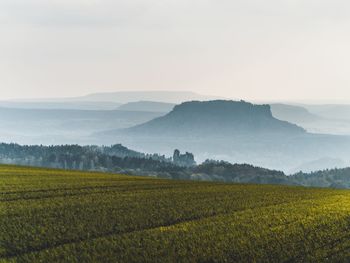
234	131
216	118
132	96
163	96
294	114
147	106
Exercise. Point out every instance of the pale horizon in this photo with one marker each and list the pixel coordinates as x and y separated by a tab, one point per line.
252	100
270	51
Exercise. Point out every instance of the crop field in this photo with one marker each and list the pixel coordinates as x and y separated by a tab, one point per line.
67	216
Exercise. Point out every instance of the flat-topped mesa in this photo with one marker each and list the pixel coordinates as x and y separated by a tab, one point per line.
216	118
226	108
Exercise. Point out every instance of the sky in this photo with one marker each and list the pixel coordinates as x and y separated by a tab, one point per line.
242	49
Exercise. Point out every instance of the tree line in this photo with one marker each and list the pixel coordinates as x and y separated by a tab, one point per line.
120	159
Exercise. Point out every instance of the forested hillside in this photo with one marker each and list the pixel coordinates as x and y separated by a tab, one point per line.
119	159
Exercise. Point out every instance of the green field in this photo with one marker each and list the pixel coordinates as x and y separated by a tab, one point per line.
60	216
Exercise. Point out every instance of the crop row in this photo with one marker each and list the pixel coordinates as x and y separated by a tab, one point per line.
48	215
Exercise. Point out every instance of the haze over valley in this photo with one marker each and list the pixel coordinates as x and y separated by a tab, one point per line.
174	131
288	137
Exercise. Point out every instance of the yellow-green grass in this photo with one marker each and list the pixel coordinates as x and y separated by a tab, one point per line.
67	216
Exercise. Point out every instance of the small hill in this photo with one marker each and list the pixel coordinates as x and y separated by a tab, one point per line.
216	118
294	114
147	106
334	178
319	164
331	111
324	119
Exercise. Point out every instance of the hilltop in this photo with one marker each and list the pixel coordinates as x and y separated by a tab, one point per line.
216	118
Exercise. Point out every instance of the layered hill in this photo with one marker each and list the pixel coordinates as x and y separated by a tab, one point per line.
294	114
324	119
64	105
216	118
234	131
61	126
147	106
130	96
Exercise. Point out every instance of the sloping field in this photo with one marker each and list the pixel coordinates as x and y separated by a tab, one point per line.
60	216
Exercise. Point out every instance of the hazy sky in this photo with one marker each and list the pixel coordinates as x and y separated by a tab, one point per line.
250	49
